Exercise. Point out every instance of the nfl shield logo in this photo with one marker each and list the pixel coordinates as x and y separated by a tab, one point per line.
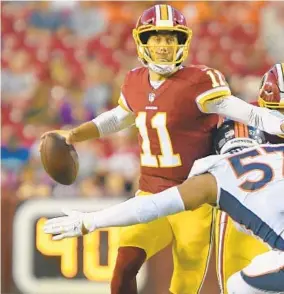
151	97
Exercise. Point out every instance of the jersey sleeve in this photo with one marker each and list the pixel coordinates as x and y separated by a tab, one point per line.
211	85
123	101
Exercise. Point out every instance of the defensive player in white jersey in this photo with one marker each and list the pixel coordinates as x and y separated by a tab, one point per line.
234	249
246	181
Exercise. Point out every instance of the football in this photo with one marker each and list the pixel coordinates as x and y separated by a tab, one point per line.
59	159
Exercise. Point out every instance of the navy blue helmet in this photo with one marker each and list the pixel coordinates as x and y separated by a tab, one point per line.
233	136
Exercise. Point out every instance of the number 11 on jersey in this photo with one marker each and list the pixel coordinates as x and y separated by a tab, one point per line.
167	158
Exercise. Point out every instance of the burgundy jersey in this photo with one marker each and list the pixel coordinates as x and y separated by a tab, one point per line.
174	129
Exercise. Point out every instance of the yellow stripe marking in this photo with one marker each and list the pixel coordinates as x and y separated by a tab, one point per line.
213	96
120	102
164	12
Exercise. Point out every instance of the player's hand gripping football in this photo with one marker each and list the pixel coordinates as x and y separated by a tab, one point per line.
73	224
67	134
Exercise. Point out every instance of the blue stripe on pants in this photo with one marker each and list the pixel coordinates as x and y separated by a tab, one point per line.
267	282
242	215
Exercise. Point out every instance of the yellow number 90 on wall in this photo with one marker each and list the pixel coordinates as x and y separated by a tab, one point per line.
76	265
67	250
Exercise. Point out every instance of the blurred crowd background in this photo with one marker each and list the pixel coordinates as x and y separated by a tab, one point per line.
63	63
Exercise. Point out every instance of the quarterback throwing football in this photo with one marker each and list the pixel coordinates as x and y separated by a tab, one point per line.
175	109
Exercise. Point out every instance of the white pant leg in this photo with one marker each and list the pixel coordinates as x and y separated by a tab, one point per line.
237	285
265	274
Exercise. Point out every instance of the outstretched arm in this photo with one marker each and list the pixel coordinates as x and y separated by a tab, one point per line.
195	193
239	110
104	124
190	195
187	196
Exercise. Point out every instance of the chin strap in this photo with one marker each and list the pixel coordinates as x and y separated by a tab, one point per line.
162	69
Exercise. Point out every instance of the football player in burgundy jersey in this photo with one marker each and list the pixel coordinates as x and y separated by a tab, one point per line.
235	249
175	109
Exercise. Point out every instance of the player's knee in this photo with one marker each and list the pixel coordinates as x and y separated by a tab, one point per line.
191	259
128	263
237	285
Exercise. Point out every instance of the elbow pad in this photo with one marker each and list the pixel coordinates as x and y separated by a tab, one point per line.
113	121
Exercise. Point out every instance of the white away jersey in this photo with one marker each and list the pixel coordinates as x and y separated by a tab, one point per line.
251	189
